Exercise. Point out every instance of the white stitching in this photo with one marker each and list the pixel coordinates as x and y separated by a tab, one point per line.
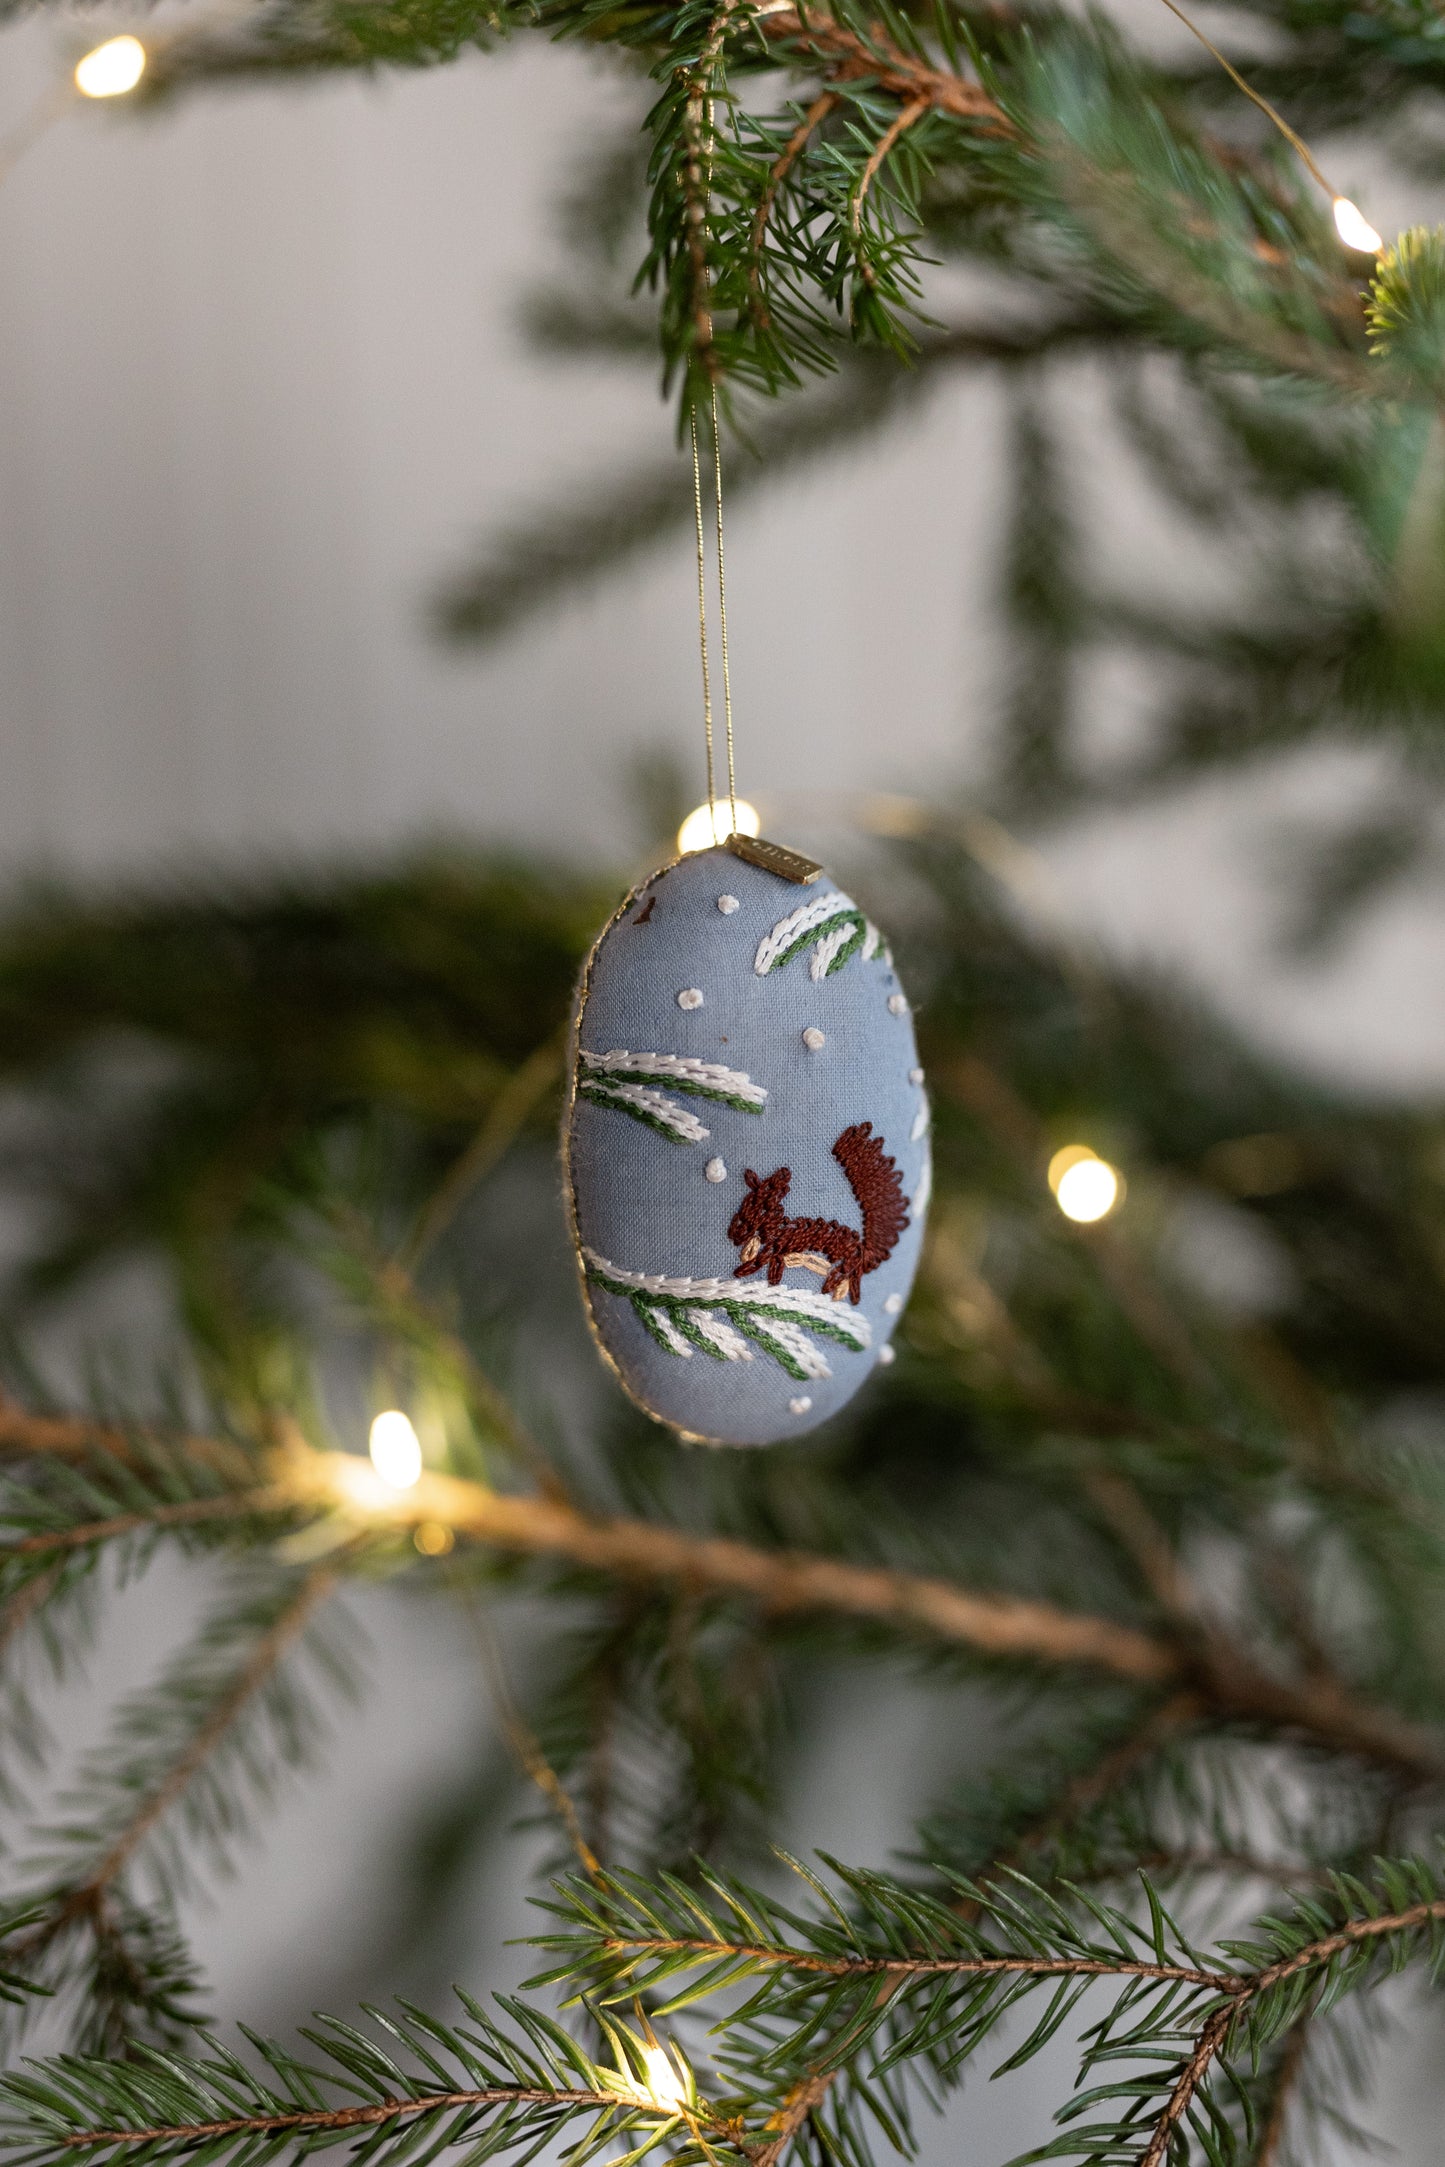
682	1066
797	1301
730	1344
683	1123
668	1331
918	1202
825	951
805	919
810	1359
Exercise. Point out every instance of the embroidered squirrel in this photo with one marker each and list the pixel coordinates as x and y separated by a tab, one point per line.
768	1237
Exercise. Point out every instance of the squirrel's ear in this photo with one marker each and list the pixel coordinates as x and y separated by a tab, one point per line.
750	1177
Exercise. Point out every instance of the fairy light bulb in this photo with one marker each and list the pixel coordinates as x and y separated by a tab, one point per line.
701	831
664	2085
1085	1186
112	69
1354	229
395	1450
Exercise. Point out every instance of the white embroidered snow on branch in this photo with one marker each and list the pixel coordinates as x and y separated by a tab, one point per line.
843	929
627	1081
827	948
678	1122
664	1330
729	1344
791	932
792	1346
680	1314
918	1202
706	1079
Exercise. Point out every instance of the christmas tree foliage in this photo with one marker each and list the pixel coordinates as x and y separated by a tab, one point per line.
1188	1551
1181	1535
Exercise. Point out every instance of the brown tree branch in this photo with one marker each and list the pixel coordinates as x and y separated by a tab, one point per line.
262	1661
877	59
1004	1626
897	127
697	183
71	1437
1248	1989
1350	1936
1195	2070
329	2118
86	1900
794	2112
189	1512
707	1951
779	1580
781	167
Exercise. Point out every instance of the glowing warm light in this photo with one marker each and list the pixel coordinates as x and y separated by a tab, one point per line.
700	832
434	1539
395	1450
664	2084
1354	229
1085	1186
110	70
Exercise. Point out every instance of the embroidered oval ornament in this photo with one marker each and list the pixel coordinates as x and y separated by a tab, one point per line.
747	1148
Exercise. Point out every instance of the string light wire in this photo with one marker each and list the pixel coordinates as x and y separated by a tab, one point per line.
1356	224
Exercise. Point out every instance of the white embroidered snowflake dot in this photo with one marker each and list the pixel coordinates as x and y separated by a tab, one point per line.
715	1170
800	1405
727	904
915	1075
893	1304
886	1356
691	997
897	1004
813	1038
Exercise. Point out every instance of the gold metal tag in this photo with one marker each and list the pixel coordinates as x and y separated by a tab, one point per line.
774	858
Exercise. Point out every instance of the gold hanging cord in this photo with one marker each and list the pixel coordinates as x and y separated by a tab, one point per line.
722	607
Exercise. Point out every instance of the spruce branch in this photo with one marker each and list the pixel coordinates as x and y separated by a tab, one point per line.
176	1776
867	53
1176	2013
172	1783
817	1973
473	2082
307	1483
825	103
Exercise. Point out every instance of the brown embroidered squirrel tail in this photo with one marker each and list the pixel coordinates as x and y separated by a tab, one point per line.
876	1182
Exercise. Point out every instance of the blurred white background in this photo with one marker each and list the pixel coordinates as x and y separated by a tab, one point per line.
260	387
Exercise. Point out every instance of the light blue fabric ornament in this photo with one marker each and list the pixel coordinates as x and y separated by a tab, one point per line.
747	1149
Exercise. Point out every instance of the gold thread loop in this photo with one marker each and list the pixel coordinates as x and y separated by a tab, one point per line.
722	611
702	630
722	606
